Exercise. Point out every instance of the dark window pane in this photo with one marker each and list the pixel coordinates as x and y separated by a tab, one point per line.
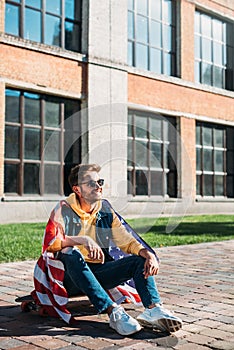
53	6
141	153
207	159
130	182
207	136
218	77
156	183
72	36
12	19
11	178
230	186
206	74
71	108
218	159
52	30
218	138
141	127
155	129
52	145
198	135
208	184
198	159
141	183
219	190
130	155
156	155
72	9
32	143
52	114
52	179
198	185
33	3
12	106
11	142
31	178
32	25
32	109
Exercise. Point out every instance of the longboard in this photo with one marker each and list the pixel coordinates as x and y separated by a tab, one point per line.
28	304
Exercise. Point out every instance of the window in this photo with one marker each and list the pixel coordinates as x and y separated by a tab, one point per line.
56	22
151	35
41	142
214	50
214	160
151	155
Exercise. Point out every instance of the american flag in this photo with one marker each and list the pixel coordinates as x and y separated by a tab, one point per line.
49	291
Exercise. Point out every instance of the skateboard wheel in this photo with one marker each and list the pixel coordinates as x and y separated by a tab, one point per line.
24	306
42	312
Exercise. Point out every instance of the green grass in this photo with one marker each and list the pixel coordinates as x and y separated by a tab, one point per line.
186	230
23	241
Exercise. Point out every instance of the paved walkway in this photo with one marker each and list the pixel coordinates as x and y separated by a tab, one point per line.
195	281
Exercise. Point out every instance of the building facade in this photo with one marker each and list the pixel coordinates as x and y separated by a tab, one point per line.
142	87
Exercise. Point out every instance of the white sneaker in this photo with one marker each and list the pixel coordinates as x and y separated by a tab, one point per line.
123	323
160	318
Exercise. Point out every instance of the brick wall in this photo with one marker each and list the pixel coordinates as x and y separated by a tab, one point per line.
178	98
28	66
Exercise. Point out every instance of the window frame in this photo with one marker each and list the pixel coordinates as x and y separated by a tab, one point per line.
227	68
166	170
162	49
22	7
62	163
227	171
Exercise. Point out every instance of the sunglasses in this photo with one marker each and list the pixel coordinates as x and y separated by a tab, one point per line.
93	184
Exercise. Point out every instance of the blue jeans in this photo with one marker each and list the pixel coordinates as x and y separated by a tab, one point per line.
94	279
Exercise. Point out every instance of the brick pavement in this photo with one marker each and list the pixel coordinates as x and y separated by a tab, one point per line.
196	281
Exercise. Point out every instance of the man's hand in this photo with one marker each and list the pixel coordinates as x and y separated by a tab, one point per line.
95	252
151	266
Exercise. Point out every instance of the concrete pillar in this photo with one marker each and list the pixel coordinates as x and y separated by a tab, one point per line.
188	158
107	92
187	14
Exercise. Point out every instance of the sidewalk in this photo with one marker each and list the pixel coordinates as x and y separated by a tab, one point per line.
195	281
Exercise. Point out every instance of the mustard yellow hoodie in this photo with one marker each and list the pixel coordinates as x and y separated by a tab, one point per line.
123	239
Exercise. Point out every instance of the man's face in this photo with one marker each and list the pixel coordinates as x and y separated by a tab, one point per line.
89	193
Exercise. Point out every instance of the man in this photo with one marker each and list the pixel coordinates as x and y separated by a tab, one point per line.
78	234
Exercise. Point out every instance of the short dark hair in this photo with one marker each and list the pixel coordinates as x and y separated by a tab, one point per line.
78	172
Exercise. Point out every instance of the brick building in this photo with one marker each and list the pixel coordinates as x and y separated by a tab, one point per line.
142	87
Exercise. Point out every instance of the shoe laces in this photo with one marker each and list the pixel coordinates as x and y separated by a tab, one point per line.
118	313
